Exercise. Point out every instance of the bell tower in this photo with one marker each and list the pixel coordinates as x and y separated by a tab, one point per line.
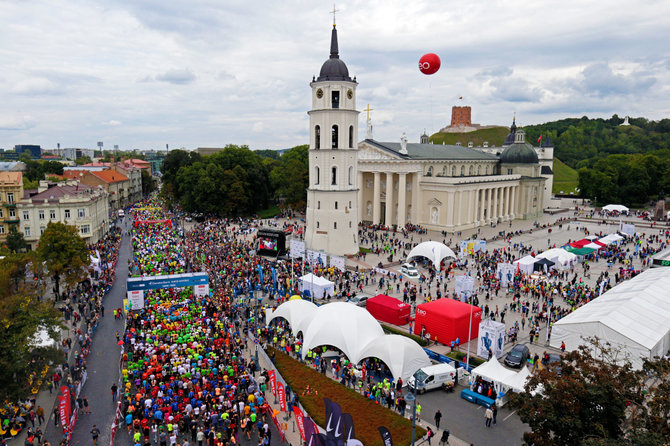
332	203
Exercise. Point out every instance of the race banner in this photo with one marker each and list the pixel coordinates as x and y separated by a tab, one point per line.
282	396
316	257
299	420
64	407
273	382
136	299
297	249
337	262
281	432
201	290
465	286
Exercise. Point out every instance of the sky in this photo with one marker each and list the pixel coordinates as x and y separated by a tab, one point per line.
141	74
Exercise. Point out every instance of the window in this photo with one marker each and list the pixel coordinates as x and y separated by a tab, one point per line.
2	229
318	204
335	136
453	171
487	170
471	171
351	176
350	205
41	214
334	225
81	212
67	214
430	171
462	171
444	171
317	225
334	176
42	228
351	137
85	229
26	215
336	205
52	214
26	231
317	137
318	174
12	213
335	99
1	214
479	170
349	224
10	197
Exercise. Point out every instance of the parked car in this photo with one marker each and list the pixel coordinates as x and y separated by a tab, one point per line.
409	270
518	356
359	299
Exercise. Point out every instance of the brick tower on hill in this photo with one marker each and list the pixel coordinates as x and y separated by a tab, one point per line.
461	116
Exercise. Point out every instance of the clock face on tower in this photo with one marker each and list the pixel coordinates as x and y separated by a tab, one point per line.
319	93
350	94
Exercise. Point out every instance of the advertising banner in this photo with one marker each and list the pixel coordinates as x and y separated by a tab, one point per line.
201	290
169	281
299	420
505	273
473	246
317	258
465	286
282	396
64	407
273	382
136	299
337	262
491	336
297	249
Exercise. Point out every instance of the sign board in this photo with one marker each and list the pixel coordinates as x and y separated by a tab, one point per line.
505	273
297	248
472	246
169	281
491	336
201	290
136	299
465	286
316	257
337	262
627	229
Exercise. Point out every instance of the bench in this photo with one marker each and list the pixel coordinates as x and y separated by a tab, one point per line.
476	398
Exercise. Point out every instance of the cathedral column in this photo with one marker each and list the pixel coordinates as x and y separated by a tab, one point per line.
489	204
507	190
402	197
472	206
513	203
361	205
415	198
495	213
376	199
451	209
459	219
481	194
389	199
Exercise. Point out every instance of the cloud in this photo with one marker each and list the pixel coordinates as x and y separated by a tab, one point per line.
36	86
16	122
257	127
178	77
599	79
114	122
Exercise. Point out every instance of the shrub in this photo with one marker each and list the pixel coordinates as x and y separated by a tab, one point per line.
421	342
367	415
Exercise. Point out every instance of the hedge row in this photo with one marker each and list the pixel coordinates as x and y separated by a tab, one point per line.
367	415
461	356
421	342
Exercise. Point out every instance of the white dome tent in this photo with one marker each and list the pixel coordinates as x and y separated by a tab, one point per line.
355	332
615	208
433	251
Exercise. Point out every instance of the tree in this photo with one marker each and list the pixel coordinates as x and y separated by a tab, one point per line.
65	253
82	160
22	315
148	183
588	399
15	241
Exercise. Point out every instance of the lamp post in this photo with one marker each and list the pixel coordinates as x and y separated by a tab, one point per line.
411	397
469	300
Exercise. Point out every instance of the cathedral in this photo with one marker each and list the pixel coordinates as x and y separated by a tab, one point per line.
440	187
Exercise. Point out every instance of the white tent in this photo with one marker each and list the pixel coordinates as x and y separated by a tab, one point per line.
297	312
433	251
634	315
318	287
526	264
593	245
494	372
517	381
402	355
615	208
561	258
42	338
609	239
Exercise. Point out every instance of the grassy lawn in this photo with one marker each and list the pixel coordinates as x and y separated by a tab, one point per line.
566	179
367	415
364	250
495	135
269	212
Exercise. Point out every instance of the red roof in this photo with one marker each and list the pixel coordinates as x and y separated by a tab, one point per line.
110	176
98	164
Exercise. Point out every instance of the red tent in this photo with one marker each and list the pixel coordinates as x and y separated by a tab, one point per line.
388	309
447	319
580	243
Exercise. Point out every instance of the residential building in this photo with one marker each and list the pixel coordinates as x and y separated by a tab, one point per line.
70	203
11	192
74	153
114	183
34	151
134	175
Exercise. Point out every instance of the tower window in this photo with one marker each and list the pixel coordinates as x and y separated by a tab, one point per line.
335	96
349	224
462	171
334	225
318	204
335	136
317	137
351	176
334	176
318	175
351	136
453	171
471	170
317	225
336	205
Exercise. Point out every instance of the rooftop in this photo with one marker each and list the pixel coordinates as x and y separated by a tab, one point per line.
433	151
11	178
55	193
110	176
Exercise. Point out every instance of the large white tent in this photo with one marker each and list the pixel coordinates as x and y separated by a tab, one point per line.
611	238
615	208
433	251
634	315
318	287
561	258
355	332
494	372
525	264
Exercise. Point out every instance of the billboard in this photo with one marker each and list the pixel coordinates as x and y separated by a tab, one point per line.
271	242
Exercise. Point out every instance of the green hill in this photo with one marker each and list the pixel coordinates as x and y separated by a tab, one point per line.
566	179
494	136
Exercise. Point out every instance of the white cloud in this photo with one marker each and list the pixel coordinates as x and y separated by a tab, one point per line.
199	72
114	122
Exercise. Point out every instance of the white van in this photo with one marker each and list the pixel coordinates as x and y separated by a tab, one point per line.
433	377
122	213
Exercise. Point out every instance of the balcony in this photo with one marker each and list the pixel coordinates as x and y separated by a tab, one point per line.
9	205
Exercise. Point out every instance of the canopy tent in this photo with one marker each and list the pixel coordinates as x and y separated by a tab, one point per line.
517	382
562	258
433	251
388	309
609	239
615	208
525	264
580	243
402	355
595	245
318	287
634	315
494	372
581	251
297	312
543	265
42	338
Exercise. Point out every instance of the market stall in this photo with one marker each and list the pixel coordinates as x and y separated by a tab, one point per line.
317	287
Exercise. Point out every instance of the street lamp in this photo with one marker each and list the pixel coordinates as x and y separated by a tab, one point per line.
469	300
411	398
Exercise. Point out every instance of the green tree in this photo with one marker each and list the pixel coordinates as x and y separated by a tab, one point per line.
290	176
15	241
82	160
22	315
65	253
148	183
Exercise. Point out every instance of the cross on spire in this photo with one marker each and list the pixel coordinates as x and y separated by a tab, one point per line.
333	13
368	110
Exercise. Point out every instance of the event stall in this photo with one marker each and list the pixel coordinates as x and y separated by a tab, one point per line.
525	264
503	380
433	251
543	265
388	309
562	258
318	287
615	208
633	316
611	239
447	319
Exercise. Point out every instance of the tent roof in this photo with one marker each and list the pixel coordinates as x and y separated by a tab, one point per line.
492	370
582	251
517	381
595	245
580	243
615	208
638	309
434	251
316	280
401	354
297	312
528	260
383	299
557	253
448	307
545	262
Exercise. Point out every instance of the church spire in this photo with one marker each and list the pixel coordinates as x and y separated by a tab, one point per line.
334	50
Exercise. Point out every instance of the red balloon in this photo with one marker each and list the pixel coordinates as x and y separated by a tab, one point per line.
429	63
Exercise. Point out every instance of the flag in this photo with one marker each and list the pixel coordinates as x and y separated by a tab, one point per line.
309	431
539	139
282	396
300	421
273	381
64	407
348	422
386	436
